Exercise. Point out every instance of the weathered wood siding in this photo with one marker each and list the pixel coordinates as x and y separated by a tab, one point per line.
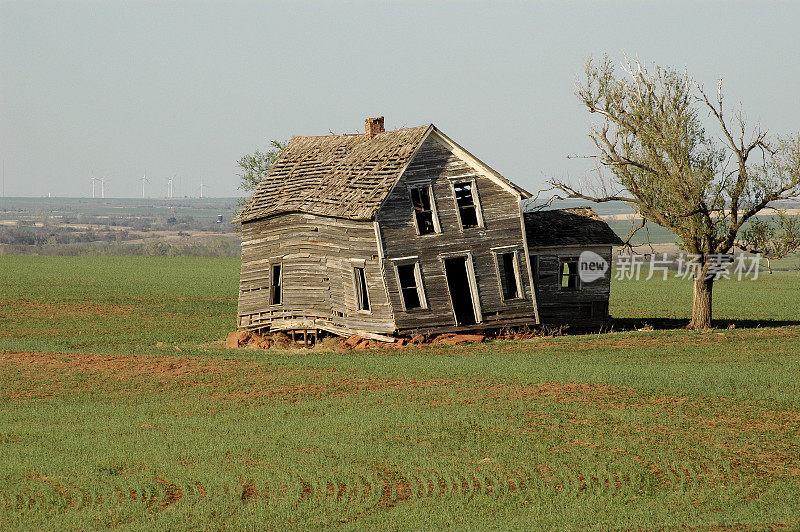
435	163
587	306
317	256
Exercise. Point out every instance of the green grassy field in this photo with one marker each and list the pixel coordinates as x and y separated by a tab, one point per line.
119	407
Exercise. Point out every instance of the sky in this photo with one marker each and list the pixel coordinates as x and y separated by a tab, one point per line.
117	89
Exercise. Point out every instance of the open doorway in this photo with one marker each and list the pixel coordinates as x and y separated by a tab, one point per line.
460	284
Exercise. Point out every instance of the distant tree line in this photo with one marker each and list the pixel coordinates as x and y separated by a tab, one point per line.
85	234
215	247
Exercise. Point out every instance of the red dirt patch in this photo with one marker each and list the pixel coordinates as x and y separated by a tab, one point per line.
49	374
570	392
36	375
249	492
315	384
659	339
21	308
61	489
458	339
172	495
120	366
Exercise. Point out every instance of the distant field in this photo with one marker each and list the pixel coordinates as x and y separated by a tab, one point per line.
13	208
118	407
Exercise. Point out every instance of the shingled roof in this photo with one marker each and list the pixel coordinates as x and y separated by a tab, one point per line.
345	176
579	226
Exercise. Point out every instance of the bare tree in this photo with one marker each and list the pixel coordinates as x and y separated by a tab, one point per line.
652	140
255	166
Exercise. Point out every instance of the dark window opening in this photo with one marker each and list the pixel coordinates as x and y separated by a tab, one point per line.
362	295
467	210
569	274
275	288
508	275
408	285
423	210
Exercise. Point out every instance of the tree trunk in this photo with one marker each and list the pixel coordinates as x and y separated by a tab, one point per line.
701	305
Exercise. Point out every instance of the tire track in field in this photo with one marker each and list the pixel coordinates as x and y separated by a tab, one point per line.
172	495
397	487
381	488
63	490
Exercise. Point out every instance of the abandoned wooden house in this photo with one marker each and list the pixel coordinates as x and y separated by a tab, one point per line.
402	232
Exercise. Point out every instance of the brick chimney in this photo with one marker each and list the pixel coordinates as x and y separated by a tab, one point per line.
373	126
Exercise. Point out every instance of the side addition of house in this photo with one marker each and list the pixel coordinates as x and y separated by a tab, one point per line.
556	240
387	233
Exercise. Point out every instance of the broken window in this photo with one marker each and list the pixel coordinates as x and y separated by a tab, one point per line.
362	294
508	271
277	285
424	214
569	274
467	206
411	285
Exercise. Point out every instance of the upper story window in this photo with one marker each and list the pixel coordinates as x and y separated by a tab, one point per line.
425	217
469	213
569	275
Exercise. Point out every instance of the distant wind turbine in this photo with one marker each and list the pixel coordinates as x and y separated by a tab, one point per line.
103	186
94	182
169	186
201	187
144	180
